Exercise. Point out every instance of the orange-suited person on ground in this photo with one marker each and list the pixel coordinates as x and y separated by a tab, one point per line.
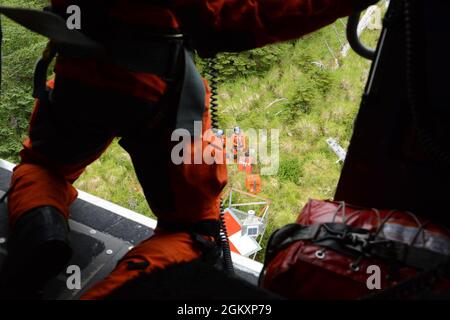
245	163
140	95
253	183
239	144
220	142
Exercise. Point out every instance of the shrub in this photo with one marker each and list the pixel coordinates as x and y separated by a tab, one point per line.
249	63
290	170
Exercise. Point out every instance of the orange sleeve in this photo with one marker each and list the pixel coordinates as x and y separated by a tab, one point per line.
236	25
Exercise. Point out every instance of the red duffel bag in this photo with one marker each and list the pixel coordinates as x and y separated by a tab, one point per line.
340	251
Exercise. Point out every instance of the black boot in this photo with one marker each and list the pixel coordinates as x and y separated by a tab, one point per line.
38	250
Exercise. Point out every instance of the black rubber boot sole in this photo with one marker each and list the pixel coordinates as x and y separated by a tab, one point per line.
38	250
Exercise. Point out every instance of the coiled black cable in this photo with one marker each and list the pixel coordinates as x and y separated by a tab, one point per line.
214	109
228	262
213	84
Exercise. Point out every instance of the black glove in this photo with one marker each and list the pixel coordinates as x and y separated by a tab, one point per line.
360	5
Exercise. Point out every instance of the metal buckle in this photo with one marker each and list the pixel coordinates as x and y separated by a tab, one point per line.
359	239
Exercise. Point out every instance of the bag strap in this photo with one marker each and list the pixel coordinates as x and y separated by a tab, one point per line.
414	257
355	242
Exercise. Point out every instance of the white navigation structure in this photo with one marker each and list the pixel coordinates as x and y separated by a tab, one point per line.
245	217
338	150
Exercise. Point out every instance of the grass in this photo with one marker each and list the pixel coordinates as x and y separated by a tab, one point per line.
20	51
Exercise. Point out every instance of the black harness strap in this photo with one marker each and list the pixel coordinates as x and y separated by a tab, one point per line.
40	72
192	97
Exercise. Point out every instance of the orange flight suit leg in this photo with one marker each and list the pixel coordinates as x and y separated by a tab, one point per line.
184	193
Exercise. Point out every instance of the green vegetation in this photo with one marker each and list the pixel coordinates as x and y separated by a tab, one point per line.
304	88
21	49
